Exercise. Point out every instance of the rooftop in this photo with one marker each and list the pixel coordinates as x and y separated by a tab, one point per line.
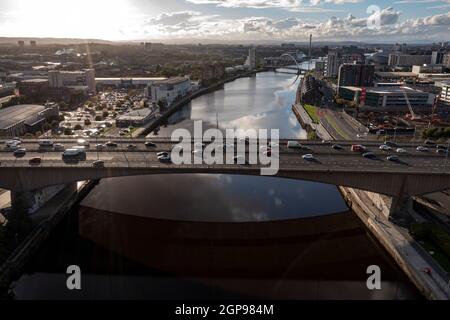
396	74
385	90
22	112
174	80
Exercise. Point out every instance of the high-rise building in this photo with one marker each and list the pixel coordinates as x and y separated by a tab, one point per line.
332	64
60	79
356	75
407	60
251	58
33	43
21	43
446	60
437	57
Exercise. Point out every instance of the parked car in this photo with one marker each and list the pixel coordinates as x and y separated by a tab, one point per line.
35	161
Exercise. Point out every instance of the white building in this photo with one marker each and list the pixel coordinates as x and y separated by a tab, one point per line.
170	89
250	63
444	97
60	79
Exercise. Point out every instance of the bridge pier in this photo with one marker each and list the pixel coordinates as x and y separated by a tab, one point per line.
400	208
32	200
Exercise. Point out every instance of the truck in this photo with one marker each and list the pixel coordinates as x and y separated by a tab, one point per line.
74	154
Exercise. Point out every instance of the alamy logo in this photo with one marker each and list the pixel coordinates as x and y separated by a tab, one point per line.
221	150
374	20
374	280
74	280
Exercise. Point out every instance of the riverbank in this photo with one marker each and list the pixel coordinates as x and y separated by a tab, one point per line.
50	215
374	213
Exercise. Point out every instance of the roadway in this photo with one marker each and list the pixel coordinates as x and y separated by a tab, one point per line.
325	157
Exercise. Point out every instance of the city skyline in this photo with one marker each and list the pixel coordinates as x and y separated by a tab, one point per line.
229	20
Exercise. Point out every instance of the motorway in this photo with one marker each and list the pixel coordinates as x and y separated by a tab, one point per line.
325	156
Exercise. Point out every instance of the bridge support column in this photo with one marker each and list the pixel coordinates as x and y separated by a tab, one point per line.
400	208
33	200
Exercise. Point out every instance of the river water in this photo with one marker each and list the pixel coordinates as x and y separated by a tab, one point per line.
216	236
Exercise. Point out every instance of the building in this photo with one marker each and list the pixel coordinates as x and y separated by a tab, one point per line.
136	118
358	75
427	68
332	64
33	43
61	79
250	63
390	98
169	90
309	91
23	118
126	82
407	60
444	96
437	57
21	43
212	71
446	60
395	76
34	90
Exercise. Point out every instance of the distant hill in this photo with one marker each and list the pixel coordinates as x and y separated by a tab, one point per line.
45	41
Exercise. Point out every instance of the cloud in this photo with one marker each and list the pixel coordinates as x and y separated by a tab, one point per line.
291	5
190	24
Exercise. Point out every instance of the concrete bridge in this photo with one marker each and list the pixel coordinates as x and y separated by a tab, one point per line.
416	174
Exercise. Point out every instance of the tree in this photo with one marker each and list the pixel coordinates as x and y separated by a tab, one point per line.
105	114
77	127
98	118
87	122
68	132
46	126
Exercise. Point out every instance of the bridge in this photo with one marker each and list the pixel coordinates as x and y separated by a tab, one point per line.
287	64
415	174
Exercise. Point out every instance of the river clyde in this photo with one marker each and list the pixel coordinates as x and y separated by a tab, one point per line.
216	236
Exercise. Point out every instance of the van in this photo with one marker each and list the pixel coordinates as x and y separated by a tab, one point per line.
45	143
294	145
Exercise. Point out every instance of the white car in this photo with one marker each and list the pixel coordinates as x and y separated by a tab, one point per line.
400	150
164	158
385	147
58	147
308	156
422	149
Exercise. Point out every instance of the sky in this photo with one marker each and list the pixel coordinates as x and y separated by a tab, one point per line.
229	20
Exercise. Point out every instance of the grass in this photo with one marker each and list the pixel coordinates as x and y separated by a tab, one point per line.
439	256
337	128
312	112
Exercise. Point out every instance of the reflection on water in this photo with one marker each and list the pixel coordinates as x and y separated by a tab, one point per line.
262	101
201	236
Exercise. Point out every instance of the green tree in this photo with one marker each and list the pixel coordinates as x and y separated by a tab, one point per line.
77	127
68	132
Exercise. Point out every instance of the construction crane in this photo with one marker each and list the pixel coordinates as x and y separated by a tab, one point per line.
411	111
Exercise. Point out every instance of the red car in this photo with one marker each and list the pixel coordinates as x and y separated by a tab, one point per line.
35	161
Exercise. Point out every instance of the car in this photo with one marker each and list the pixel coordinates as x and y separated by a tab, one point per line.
111	144
337	147
357	148
400	150
164	158
45	143
98	164
326	142
385	147
390	143
430	143
162	153
34	161
149	144
58	147
308	157
13	147
17	139
440	146
442	151
306	148
294	145
83	142
20	152
422	149
10	143
131	147
369	155
393	158
240	160
100	146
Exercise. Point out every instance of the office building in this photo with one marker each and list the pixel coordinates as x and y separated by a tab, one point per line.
437	57
83	78
427	68
34	90
169	90
332	64
390	98
250	63
407	60
446	60
358	75
444	96
136	118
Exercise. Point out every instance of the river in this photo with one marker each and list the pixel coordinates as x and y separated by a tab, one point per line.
204	236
